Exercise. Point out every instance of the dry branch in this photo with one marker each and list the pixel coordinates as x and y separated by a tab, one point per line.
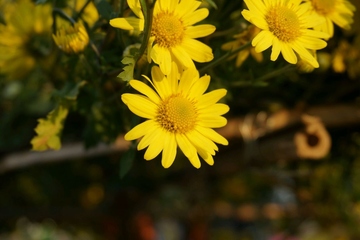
287	145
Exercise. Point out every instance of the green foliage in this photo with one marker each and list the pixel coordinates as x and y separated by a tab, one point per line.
49	130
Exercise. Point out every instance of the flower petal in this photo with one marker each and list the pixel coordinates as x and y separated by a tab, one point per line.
146	90
129	23
211	98
188	149
162	57
199	30
169	152
140	130
197	50
140	105
194	17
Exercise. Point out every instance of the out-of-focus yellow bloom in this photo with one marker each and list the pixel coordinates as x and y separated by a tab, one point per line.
72	39
241	39
25	37
304	66
89	15
340	12
346	58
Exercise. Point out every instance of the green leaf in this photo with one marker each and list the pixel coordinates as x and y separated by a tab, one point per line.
128	71
211	3
126	161
49	130
104	9
70	90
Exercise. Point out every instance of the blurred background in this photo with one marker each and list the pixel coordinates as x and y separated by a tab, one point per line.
291	170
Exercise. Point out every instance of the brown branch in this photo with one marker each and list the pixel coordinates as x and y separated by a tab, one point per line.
261	126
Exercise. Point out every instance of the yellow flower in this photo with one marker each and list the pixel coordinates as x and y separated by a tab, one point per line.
178	113
24	38
242	39
172	33
340	12
285	26
89	15
72	39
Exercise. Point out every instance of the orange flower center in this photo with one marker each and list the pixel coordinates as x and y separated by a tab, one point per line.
167	29
283	23
177	114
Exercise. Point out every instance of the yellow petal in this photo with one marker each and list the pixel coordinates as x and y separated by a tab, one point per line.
188	149
199	87
197	50
140	130
212	135
155	147
129	23
146	90
194	17
211	98
216	109
140	105
199	30
150	137
212	121
186	6
162	57
169	152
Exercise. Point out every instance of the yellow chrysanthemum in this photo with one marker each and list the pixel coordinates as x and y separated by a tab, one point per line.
172	33
286	27
24	38
240	40
72	39
178	113
340	12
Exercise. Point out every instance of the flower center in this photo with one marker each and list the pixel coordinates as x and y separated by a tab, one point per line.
324	7
177	114
283	23
167	29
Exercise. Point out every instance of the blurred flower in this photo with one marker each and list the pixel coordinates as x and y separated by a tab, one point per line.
178	114
340	12
88	16
241	39
304	66
72	39
346	58
172	33
24	38
285	26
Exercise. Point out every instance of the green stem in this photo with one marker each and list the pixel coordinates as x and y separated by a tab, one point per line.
82	10
147	12
223	57
275	73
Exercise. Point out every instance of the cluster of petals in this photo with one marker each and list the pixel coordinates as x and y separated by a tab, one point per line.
178	113
173	34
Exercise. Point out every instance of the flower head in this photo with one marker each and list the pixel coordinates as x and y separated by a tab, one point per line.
340	12
241	39
25	37
178	114
172	33
286	27
72	39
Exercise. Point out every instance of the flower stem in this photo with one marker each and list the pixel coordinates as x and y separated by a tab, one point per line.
223	57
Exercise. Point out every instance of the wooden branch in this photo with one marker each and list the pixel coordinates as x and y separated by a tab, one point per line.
273	133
